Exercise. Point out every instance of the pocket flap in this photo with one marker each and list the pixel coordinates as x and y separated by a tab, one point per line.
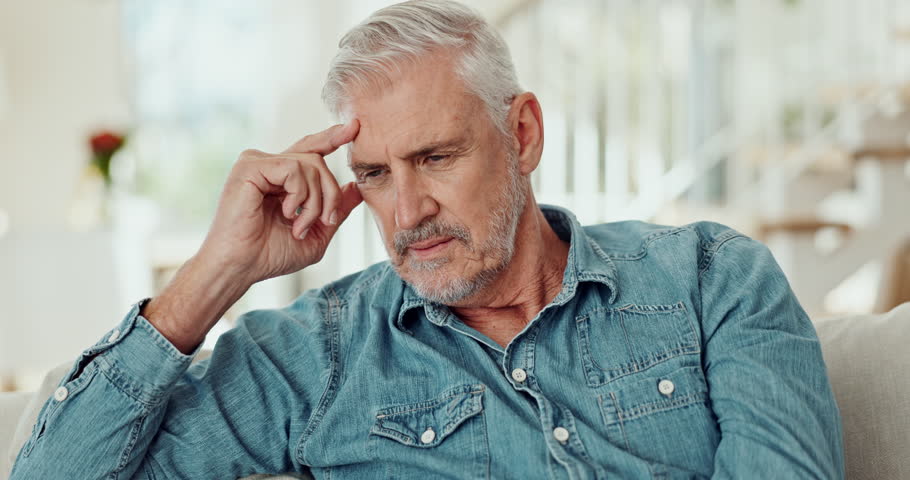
426	424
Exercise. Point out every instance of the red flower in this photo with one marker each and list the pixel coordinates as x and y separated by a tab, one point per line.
104	144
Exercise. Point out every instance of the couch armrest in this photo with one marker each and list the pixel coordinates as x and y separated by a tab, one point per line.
867	358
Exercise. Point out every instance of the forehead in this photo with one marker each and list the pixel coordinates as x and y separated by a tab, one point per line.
426	102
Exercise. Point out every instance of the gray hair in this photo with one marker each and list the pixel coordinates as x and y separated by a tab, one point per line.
405	31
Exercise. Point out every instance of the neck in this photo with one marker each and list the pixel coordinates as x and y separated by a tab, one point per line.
532	279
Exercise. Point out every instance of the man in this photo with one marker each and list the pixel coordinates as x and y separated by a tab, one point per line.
501	340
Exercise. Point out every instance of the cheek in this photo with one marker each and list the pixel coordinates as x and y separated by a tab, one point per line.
383	213
470	197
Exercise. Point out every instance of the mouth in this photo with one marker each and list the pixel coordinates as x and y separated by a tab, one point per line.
428	248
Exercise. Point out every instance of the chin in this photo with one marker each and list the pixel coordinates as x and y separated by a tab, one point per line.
439	284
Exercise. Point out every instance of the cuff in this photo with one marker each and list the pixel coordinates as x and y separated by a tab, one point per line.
138	359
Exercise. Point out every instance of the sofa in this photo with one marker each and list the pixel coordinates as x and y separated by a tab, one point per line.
868	359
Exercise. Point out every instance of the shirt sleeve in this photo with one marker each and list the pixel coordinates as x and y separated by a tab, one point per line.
138	409
767	380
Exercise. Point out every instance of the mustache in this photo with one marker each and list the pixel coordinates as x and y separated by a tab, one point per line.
427	230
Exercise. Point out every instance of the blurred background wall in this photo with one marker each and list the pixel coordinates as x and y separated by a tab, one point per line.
786	119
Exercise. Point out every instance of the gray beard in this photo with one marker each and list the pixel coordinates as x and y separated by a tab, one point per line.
433	284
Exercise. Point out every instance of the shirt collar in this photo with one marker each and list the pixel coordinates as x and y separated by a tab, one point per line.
587	262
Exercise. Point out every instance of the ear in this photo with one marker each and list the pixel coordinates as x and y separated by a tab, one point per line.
526	124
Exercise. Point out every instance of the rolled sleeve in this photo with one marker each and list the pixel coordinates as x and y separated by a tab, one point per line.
110	403
139	359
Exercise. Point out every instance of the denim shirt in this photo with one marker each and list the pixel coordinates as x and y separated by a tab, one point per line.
670	352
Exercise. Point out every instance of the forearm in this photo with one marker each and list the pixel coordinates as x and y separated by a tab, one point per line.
193	302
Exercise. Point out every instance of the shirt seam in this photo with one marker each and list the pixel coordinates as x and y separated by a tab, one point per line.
115	376
328	393
131	444
646	242
713	250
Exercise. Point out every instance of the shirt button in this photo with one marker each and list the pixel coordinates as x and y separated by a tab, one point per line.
428	436
61	393
114	335
519	375
666	387
560	434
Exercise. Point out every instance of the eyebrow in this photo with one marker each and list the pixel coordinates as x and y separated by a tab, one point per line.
455	143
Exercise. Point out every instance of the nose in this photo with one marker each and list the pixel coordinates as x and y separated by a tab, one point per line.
413	201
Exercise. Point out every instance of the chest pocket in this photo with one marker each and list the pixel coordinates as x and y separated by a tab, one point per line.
618	342
445	435
644	363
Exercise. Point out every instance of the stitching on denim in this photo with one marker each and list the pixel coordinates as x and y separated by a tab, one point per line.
131	443
625	334
378	429
715	249
531	350
575	440
593	373
328	395
638	366
619	416
695	331
424	405
646	244
116	378
663	405
599	251
643	309
169	349
445	430
638	363
485	445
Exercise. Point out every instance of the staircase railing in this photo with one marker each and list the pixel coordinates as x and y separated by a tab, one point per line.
649	103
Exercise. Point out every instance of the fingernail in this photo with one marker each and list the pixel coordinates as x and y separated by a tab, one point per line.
333	218
297	212
303	234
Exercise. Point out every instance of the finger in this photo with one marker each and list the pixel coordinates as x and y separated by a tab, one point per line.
297	190
328	140
311	207
331	194
275	175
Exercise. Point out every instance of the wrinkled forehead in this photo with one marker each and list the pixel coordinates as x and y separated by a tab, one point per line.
423	104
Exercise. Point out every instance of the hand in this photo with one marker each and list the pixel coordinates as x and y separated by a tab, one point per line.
277	213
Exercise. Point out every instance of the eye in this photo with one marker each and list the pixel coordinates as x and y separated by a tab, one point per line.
437	158
372	177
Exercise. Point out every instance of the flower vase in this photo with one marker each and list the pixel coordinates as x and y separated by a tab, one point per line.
91	208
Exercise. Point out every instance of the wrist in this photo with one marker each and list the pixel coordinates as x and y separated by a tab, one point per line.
193	302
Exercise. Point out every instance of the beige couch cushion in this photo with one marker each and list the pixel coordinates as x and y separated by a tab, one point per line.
12	404
868	359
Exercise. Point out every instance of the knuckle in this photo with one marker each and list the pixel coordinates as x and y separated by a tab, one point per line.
251	153
310	159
